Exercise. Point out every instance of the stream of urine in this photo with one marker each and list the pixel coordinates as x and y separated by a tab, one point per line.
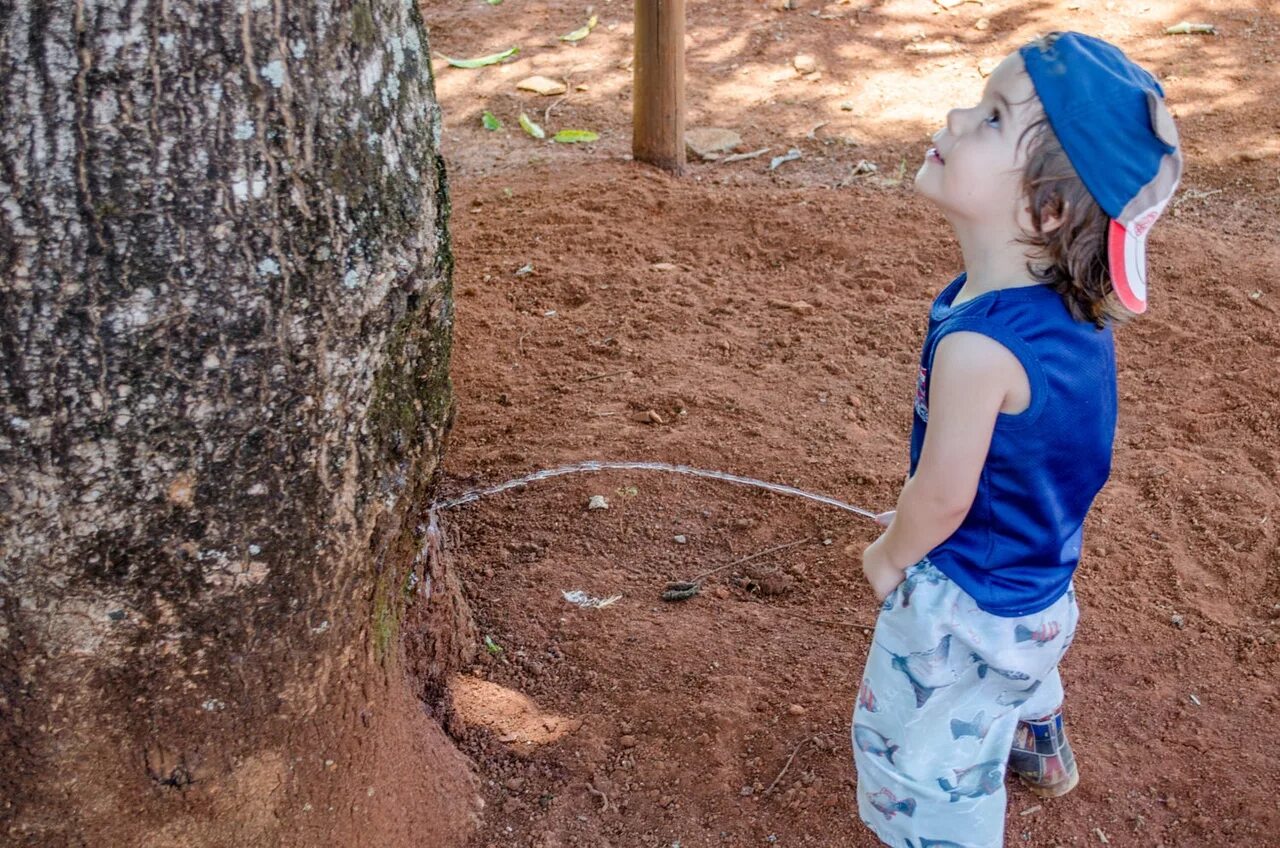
597	465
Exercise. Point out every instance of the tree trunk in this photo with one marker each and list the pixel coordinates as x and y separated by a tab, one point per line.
225	320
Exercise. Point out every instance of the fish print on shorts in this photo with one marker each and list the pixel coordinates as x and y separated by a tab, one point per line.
907	588
978	727
1043	635
927	671
974	781
871	742
1017	697
984	667
867	698
887	803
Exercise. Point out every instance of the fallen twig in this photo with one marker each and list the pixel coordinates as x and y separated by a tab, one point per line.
788	763
1187	28
868	628
738	157
592	377
604	799
757	555
1193	194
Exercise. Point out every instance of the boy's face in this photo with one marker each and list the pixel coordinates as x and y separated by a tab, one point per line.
974	172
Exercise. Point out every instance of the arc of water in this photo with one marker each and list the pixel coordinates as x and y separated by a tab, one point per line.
591	466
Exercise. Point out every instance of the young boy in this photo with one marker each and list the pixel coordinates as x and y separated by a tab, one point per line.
1051	184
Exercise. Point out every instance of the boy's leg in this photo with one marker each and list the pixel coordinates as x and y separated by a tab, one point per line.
930	749
943	690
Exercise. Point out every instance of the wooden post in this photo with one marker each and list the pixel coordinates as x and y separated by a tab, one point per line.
657	115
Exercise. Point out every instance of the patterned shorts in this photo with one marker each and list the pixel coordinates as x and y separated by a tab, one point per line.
945	685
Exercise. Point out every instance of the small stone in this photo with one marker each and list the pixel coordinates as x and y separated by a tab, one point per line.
542	85
647	417
627	741
805	64
666	801
796	710
680	540
515	784
846	105
710	142
746	791
1177	621
720	592
743	523
664	266
597	502
982	24
799	307
773	583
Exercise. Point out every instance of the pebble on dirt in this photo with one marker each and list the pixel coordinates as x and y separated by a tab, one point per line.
805	64
597	502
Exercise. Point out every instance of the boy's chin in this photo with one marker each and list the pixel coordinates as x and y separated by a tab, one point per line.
924	185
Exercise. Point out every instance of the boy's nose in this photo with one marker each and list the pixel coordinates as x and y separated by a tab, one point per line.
961	121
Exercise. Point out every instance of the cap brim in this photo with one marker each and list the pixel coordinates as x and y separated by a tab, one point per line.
1127	261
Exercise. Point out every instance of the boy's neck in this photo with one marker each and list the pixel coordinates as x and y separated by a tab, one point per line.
991	262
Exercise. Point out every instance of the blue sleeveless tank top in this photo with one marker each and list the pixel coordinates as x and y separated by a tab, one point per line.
1020	542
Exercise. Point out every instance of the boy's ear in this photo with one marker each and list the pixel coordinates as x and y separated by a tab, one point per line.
1053	215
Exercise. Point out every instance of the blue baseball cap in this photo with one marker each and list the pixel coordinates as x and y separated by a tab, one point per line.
1110	117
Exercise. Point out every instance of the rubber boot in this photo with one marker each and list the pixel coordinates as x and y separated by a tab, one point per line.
1042	756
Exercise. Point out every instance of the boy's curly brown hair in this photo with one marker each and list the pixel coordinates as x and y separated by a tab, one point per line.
1073	254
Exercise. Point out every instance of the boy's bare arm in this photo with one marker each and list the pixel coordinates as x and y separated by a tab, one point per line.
973	376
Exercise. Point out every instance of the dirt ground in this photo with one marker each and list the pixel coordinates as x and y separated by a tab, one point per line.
723	720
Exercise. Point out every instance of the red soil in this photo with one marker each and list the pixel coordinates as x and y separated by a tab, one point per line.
651	723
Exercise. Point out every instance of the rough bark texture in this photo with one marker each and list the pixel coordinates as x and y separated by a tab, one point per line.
224	343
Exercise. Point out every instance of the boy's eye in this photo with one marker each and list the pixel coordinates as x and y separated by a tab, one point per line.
994	118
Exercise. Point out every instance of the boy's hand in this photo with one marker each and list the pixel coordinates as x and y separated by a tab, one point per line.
882	574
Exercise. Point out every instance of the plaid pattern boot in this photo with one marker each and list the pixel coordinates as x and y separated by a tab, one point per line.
1042	756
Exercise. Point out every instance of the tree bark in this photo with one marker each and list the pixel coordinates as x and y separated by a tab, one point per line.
225	320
